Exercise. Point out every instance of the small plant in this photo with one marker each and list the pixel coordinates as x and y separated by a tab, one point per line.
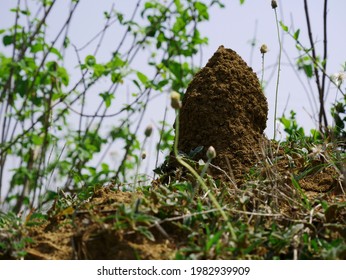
338	112
291	127
13	238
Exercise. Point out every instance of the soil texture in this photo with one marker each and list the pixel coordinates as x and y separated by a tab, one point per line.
224	107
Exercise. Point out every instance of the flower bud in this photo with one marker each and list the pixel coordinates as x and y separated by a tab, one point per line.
264	49
148	130
175	100
211	153
274	4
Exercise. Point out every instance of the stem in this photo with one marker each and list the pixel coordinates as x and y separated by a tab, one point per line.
322	113
279	69
139	163
199	178
262	70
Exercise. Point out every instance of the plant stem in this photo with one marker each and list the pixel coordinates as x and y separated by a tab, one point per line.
279	69
262	70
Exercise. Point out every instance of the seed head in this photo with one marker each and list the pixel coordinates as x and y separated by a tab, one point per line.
148	130
274	4
338	78
264	49
175	100
211	153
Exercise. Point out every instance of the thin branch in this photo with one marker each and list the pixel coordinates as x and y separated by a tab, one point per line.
322	114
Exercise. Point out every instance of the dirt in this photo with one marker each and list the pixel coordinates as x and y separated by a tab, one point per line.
224	107
87	232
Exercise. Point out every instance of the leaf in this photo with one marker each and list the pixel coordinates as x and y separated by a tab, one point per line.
116	77
296	35
143	78
242	2
303	195
202	10
308	70
146	232
107	98
37	48
56	52
161	84
195	151
90	60
66	42
284	27
62	73
213	240
99	70
286	122
7	40
137	84
37	140
105	167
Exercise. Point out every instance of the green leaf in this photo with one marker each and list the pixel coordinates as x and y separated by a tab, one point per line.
116	77
308	70
146	232
66	42
286	122
242	2
105	167
202	10
305	200
296	35
7	40
56	52
284	27
107	98
37	140
213	240
99	70
26	12
143	78
37	48
90	60
62	73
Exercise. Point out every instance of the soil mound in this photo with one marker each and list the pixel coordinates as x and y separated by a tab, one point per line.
224	107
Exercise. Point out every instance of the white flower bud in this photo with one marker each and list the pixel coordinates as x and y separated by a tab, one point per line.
211	153
175	100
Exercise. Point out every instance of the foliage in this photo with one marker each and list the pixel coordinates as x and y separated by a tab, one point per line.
291	127
40	100
339	115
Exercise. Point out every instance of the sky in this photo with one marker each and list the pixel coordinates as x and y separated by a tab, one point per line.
235	27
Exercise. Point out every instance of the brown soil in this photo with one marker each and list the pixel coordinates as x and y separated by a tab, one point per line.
224	107
87	233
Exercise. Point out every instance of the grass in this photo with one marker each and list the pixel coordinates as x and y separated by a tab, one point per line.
269	216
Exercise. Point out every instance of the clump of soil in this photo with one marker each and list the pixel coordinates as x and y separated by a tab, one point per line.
224	107
88	232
